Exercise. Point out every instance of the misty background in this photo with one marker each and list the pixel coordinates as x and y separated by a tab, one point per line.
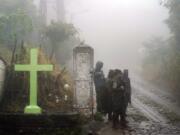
142	36
116	29
139	35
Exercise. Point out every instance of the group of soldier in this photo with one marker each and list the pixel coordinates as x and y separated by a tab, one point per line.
113	94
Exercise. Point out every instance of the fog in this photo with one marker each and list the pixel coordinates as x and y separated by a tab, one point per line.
116	29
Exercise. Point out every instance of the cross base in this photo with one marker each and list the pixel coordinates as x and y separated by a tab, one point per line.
33	109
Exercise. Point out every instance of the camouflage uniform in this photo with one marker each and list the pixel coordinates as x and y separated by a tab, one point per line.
99	81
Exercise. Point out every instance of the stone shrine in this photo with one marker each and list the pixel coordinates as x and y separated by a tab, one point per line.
83	61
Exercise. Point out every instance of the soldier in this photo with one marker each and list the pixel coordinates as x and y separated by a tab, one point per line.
118	98
127	87
99	81
107	104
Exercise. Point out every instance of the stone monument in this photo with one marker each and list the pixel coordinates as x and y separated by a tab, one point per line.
83	61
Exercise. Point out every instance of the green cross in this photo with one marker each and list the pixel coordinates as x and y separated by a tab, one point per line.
33	68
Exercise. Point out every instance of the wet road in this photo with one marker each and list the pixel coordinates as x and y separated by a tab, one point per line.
153	112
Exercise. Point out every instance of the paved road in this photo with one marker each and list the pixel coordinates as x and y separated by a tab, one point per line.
153	112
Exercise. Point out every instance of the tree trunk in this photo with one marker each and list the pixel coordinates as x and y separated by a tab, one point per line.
14	51
52	53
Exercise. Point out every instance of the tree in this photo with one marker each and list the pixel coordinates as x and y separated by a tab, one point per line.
57	33
173	21
14	29
164	60
10	6
156	60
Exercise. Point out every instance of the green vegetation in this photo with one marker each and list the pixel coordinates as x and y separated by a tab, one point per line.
51	91
57	33
22	25
21	28
14	29
162	60
98	117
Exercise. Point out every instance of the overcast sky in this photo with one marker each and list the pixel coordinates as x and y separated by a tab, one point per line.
116	29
